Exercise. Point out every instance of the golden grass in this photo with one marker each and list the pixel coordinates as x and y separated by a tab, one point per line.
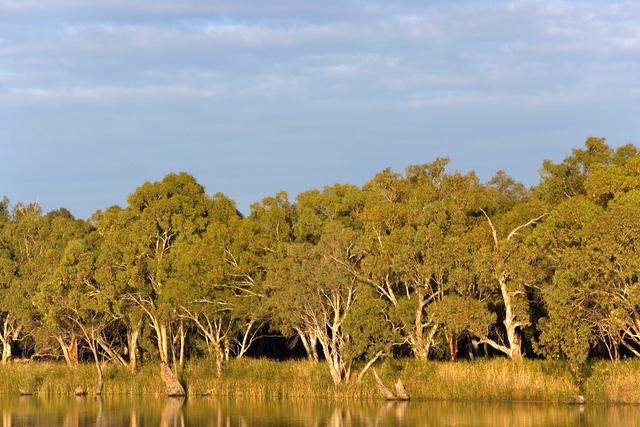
614	382
259	379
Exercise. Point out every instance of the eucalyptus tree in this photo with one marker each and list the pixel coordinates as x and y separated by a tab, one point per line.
117	272
319	294
592	255
326	301
174	211
8	274
304	223
205	294
613	266
559	243
260	240
504	270
570	177
75	301
36	244
588	249
415	227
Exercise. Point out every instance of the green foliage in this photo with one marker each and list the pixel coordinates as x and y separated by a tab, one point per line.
354	274
462	315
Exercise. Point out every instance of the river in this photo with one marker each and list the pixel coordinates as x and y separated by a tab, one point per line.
108	412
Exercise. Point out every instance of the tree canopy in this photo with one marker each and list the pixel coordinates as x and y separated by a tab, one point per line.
428	263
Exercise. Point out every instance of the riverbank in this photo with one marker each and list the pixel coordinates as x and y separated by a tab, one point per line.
482	380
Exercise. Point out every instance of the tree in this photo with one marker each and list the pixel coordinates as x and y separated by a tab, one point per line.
8	274
324	299
35	243
166	213
116	270
503	268
338	204
559	242
75	302
614	265
208	289
567	179
590	257
413	229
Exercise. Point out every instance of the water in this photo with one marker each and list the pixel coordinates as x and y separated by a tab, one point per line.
79	412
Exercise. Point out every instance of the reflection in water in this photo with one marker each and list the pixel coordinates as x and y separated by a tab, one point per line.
210	412
171	415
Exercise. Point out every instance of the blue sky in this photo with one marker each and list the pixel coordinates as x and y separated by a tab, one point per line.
252	97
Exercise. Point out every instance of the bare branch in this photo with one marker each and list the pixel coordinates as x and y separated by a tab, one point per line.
493	229
531	222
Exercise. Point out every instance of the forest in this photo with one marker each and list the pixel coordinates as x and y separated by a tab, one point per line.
425	264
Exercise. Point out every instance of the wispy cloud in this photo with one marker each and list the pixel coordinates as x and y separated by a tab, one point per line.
102	94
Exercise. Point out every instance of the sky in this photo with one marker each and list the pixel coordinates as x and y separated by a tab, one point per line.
257	96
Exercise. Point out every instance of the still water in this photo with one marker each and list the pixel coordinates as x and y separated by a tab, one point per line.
33	411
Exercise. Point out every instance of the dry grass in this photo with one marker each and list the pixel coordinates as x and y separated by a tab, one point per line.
259	379
614	382
487	380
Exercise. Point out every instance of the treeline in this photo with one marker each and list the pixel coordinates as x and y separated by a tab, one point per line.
428	264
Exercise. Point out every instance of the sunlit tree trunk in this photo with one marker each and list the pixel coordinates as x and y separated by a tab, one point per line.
310	344
10	332
215	332
218	354
249	336
132	344
452	341
183	338
69	350
421	337
100	380
162	339
418	344
6	352
513	349
510	323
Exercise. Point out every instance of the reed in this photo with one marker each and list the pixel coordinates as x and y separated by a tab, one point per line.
261	379
614	382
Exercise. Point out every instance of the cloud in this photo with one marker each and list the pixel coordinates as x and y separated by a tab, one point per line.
101	94
365	82
397	51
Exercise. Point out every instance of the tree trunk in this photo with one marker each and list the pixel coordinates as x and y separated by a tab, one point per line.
171	381
6	351
310	344
226	349
452	341
368	365
421	343
182	345
510	323
162	341
418	344
91	338
218	354
332	359
100	383
313	347
132	345
69	351
305	344
419	348
7	337
335	373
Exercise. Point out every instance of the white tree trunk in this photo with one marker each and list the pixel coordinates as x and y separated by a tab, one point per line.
510	323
